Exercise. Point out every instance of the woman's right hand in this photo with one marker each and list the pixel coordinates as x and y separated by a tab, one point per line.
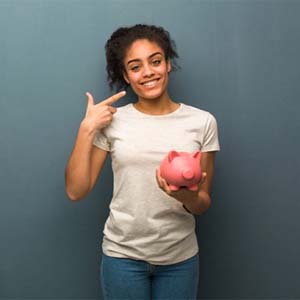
100	115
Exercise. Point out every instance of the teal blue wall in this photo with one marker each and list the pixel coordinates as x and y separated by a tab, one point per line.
240	61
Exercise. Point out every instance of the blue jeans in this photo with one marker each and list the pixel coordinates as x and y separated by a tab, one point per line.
123	278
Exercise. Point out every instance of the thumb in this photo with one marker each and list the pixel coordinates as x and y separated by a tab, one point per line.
203	178
90	100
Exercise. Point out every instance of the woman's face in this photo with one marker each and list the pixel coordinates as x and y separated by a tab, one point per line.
146	69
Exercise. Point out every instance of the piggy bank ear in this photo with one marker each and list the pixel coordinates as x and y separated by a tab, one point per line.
172	154
196	154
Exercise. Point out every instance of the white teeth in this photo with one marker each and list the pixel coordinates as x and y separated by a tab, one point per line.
150	83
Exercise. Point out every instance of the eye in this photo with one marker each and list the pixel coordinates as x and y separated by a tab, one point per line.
134	68
156	62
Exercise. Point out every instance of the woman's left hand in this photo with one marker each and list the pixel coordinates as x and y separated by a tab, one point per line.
183	194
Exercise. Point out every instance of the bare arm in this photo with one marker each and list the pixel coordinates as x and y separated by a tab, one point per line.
84	166
86	160
203	201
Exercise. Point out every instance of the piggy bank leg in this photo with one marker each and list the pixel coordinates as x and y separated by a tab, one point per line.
193	187
173	187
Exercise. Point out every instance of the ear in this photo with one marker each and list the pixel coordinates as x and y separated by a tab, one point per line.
169	66
125	77
196	154
172	154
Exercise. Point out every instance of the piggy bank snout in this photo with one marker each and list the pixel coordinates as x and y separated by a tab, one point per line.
188	174
181	169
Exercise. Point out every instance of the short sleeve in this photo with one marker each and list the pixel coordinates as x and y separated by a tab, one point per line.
210	140
101	141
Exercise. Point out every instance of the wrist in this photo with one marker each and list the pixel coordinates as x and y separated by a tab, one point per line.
186	209
199	204
87	128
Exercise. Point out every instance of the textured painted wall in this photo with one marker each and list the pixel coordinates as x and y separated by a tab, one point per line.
239	60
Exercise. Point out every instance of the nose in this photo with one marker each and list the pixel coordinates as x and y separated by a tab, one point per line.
147	71
188	174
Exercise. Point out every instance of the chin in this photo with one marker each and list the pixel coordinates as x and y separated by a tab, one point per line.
154	94
150	96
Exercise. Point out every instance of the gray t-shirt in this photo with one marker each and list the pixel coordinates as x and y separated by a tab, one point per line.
144	222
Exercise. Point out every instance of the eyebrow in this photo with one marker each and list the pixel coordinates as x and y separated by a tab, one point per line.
130	61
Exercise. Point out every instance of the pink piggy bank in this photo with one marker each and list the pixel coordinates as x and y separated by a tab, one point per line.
181	169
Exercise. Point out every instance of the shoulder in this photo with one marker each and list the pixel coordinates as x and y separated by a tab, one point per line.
124	109
198	112
123	112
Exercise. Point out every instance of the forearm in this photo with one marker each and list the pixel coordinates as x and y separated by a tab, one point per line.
78	169
198	203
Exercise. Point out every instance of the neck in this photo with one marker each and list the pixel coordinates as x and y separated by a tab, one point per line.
157	106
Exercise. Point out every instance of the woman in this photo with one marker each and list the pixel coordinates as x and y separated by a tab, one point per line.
149	246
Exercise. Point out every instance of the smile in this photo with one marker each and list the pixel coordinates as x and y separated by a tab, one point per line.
151	83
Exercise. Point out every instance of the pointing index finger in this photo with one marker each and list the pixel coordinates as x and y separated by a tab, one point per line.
114	98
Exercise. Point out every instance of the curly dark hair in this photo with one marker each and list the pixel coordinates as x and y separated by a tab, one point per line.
121	40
